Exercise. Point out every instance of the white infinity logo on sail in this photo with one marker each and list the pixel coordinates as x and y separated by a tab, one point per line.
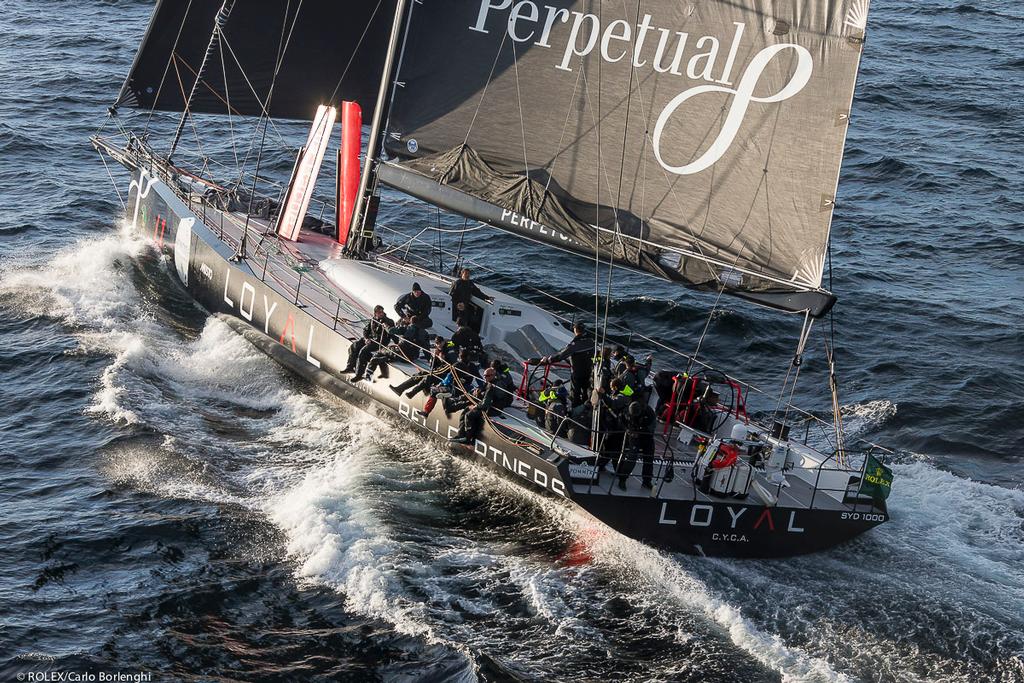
744	93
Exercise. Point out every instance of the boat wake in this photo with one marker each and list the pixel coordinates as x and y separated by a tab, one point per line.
478	577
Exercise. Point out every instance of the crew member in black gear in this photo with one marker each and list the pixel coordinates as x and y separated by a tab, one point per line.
462	373
462	292
633	376
409	341
466	337
640	421
603	367
375	337
504	385
619	359
556	411
424	379
612	420
703	414
629	376
416	302
664	381
465	373
579	351
472	420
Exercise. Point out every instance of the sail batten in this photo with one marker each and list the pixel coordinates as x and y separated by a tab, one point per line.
696	141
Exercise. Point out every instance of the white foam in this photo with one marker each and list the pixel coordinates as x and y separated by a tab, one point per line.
338	540
84	285
165	472
961	528
861	418
666	577
312	464
169	383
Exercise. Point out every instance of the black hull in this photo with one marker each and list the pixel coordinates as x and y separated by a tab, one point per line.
233	291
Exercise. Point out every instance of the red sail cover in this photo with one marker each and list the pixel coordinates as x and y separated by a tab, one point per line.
699	141
348	166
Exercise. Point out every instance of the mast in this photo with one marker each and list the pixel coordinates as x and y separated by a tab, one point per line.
357	243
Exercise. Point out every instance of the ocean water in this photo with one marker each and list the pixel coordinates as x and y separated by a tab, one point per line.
173	503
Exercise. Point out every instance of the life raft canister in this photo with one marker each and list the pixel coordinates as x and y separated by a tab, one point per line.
726	456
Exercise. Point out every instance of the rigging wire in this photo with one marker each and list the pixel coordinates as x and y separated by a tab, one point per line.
703	334
270	94
462	241
483	93
355	51
833	380
163	77
218	25
124	207
263	105
618	196
195	131
283	44
596	442
430	228
522	117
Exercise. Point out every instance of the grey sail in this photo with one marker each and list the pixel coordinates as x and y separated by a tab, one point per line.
698	141
331	50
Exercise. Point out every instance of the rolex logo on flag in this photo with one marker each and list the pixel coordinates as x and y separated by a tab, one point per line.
877	481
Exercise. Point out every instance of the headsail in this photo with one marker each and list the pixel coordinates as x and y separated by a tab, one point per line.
699	141
333	50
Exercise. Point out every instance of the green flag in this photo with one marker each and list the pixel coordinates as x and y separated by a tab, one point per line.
877	479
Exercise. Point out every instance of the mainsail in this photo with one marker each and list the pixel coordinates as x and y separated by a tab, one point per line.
696	140
332	49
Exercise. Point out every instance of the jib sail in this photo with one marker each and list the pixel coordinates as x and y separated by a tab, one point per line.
321	50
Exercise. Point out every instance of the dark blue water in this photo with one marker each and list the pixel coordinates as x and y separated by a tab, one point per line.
173	503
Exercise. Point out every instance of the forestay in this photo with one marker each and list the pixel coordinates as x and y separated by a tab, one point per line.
697	140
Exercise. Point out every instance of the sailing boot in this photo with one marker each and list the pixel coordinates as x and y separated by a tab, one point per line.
398	389
362	367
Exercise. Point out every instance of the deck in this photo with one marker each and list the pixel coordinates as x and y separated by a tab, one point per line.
293	269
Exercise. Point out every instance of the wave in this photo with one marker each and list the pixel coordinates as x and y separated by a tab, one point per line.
860	419
15	230
82	286
15	143
947	562
456	559
339	540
